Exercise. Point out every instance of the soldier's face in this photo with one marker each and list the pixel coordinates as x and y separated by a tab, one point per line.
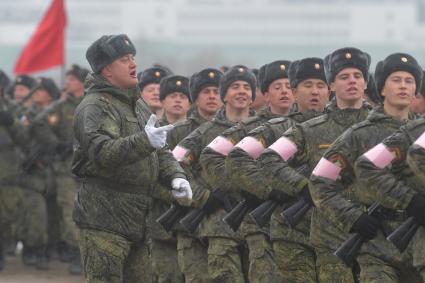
20	92
74	85
280	96
208	100
311	94
239	95
349	85
122	72
399	89
176	104
41	97
150	94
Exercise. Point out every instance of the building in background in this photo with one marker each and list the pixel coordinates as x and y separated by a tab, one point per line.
188	35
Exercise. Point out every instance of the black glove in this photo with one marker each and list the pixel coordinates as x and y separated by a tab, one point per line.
305	193
416	208
6	118
367	226
278	196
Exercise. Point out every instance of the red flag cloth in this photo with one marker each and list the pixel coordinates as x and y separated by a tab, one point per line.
46	46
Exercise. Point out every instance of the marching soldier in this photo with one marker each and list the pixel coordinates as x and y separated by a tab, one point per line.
56	123
308	83
274	85
340	199
191	249
119	155
237	91
346	72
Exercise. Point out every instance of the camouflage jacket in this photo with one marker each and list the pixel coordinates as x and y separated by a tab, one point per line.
162	197
243	170
193	145
53	128
340	200
301	147
213	162
395	184
115	160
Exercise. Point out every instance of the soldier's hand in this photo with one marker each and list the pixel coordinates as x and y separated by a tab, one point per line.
416	208
367	226
157	136
181	191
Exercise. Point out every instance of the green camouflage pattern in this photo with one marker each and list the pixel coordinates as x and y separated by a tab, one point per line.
108	257
340	203
112	148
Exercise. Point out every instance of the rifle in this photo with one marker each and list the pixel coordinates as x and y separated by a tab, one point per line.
192	220
402	236
262	214
348	250
235	217
171	216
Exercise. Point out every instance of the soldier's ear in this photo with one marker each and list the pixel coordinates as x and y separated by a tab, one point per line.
106	71
332	86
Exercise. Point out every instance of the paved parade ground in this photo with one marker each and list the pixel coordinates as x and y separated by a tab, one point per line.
16	272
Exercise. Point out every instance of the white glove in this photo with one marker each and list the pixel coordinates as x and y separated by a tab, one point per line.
181	191
157	136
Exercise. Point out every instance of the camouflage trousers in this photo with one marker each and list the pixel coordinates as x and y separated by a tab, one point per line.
66	191
380	261
108	257
331	269
296	262
262	265
192	258
165	268
224	261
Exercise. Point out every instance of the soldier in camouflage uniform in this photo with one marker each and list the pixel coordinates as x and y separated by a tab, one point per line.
307	80
149	81
55	124
302	146
174	95
275	86
191	249
237	90
12	194
175	98
341	200
119	155
37	175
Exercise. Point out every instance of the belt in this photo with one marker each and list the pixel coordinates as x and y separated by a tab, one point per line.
119	187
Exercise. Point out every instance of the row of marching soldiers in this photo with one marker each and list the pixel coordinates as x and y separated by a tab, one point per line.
307	188
37	189
285	165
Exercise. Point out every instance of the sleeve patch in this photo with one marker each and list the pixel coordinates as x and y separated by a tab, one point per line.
380	156
326	169
252	146
421	141
179	153
284	147
221	145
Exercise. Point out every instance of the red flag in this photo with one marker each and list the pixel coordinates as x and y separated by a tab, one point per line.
46	46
